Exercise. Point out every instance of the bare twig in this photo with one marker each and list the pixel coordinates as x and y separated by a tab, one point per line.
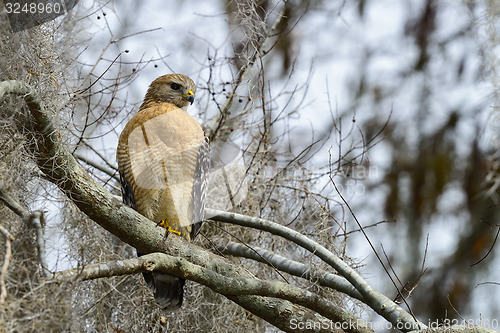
454	309
422	269
414	319
110	172
491	247
8	253
393	272
488	282
243	73
99	154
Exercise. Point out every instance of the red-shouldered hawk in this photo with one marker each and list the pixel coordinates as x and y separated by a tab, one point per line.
163	161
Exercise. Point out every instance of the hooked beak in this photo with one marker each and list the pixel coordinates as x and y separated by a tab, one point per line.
189	96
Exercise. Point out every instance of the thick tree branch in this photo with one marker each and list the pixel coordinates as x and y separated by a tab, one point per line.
60	167
377	301
228	286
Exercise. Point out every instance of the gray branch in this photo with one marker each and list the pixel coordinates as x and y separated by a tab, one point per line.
228	286
292	267
36	220
377	301
33	219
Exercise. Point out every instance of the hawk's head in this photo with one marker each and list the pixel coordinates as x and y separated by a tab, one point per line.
172	88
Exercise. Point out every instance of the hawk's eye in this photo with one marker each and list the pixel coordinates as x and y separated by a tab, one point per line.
175	86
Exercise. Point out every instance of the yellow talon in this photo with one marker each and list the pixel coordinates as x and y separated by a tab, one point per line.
164	224
178	233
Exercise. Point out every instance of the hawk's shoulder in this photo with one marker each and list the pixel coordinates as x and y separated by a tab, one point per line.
146	114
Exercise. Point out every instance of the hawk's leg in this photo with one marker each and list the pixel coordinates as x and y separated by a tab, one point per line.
164	224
